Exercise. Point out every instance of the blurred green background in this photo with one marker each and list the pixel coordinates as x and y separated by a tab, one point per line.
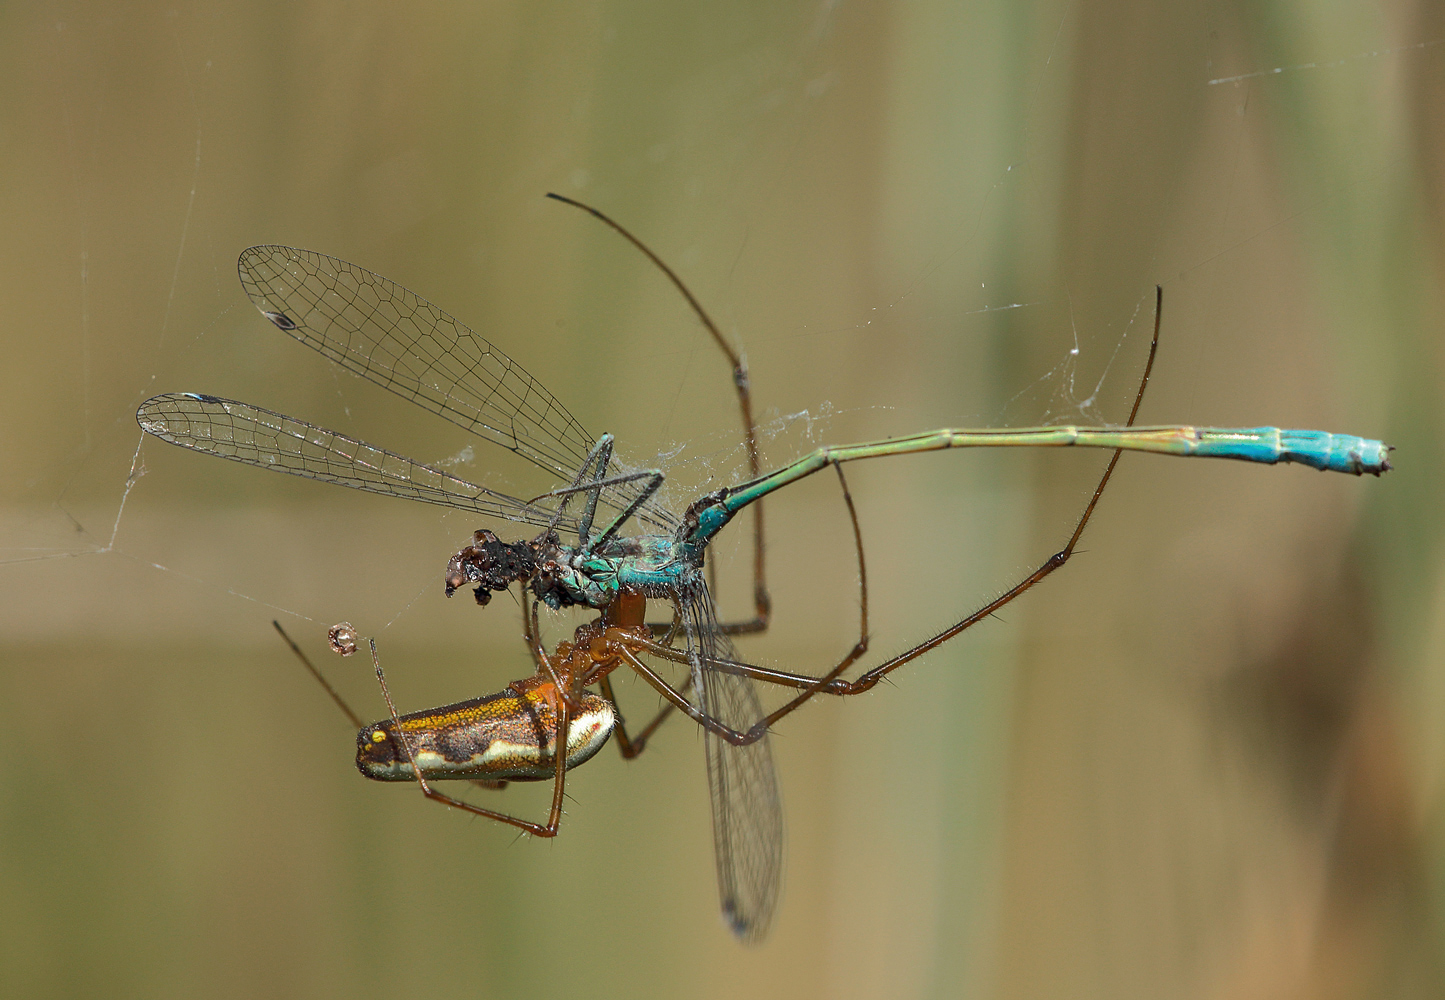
1203	761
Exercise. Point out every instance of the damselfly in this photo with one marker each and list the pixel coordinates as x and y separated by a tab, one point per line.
395	339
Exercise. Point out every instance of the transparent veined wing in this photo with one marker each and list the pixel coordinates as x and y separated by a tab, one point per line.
269	440
398	340
747	811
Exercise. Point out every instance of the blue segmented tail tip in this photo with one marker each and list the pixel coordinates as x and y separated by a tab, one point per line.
1335	452
1317	449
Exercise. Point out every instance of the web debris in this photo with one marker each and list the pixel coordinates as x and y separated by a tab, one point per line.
1331	64
1064	403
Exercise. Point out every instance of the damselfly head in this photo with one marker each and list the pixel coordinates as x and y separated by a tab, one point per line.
490	563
